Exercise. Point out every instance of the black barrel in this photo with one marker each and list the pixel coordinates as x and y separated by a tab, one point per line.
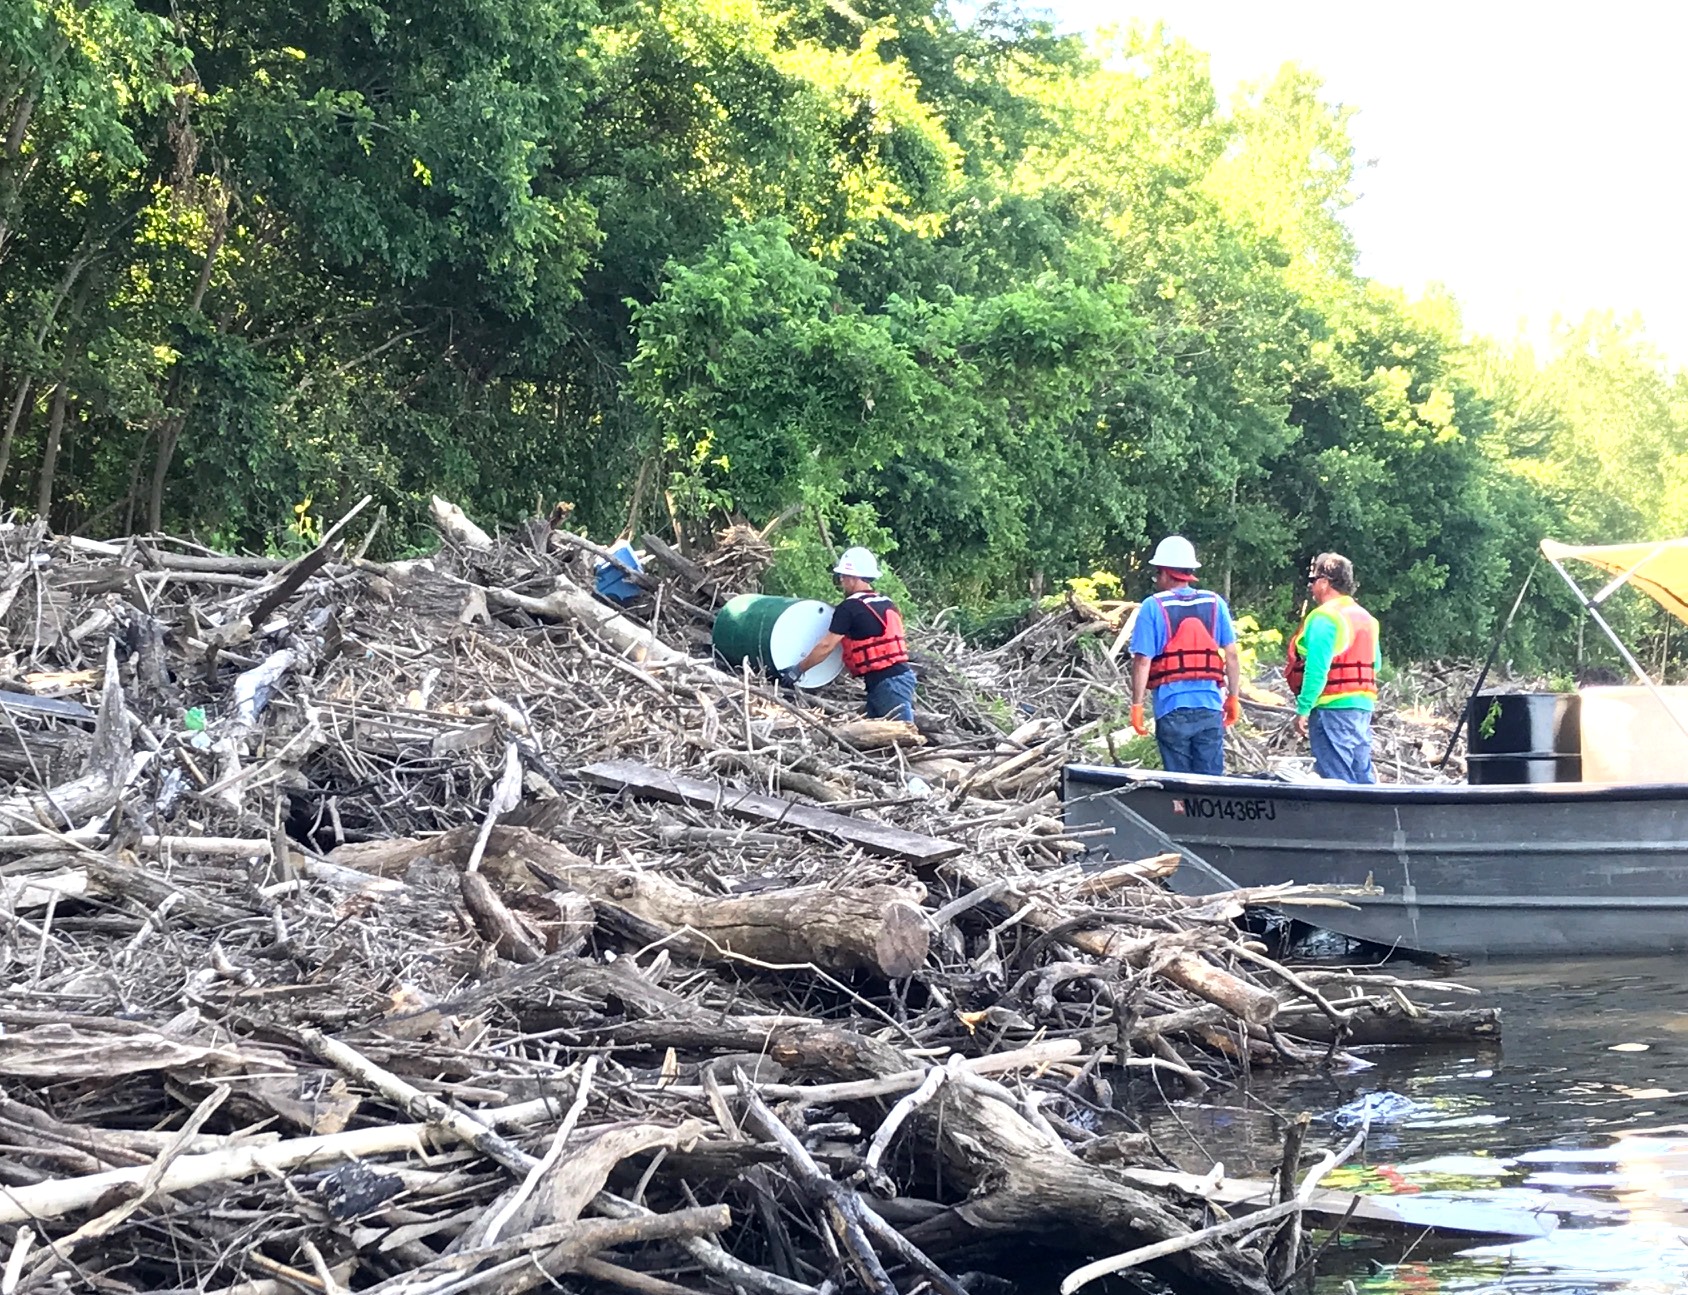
1524	737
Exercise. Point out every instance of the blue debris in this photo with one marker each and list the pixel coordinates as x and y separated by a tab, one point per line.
611	581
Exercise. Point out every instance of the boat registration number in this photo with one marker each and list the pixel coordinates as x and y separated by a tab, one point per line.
1223	807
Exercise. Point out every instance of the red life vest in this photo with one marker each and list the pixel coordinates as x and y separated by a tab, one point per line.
1192	646
887	648
1353	669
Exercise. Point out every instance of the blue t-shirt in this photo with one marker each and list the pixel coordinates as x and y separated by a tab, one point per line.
1149	637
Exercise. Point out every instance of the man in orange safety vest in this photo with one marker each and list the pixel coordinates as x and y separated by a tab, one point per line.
1332	670
1182	646
870	627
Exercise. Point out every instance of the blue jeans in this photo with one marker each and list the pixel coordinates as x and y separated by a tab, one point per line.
1341	740
892	698
1191	740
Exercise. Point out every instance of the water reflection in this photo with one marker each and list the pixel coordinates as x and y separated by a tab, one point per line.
1582	1111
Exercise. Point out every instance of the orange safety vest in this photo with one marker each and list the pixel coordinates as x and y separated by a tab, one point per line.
887	648
1353	669
1192	646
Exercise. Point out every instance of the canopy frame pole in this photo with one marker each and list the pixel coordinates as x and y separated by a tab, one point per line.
1624	652
1622	578
1483	674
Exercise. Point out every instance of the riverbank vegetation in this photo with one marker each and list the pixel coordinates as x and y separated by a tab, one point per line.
1002	303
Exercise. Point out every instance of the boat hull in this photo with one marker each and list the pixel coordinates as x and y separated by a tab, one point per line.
1468	871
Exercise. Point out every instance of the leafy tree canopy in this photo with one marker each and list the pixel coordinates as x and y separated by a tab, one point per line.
1003	304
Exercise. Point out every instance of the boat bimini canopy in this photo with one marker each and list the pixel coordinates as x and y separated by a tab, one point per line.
1658	568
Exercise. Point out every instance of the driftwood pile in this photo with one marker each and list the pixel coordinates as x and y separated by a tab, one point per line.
432	926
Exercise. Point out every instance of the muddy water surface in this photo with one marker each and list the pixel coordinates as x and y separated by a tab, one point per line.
1581	1111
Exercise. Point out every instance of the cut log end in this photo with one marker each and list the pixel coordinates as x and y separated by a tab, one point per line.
904	939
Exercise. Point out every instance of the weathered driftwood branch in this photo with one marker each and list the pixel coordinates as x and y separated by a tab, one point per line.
57	1197
877	928
1023	1180
850	1219
417	1104
453	523
569	602
497	925
1174	1245
536	1257
1187	970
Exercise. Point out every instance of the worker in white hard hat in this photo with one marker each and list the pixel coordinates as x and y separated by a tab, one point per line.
870	627
1183	647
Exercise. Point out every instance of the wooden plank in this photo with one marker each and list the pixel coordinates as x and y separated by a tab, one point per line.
57	707
660	784
1450	1218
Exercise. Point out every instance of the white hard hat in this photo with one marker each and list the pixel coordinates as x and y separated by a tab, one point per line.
1175	552
858	562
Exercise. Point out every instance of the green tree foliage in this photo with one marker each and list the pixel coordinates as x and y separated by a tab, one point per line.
999	302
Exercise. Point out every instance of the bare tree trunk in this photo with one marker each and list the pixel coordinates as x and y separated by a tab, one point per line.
132	497
13	422
170	430
50	453
14	176
84	258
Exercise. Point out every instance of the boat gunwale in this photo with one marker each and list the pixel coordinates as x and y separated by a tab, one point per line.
1110	778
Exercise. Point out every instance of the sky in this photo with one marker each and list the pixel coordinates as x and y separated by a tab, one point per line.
1531	157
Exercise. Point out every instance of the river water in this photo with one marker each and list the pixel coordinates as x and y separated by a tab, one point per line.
1581	1111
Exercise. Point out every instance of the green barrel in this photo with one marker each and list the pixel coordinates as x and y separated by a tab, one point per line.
775	633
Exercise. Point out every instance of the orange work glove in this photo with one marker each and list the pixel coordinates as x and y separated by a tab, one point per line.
1233	709
1137	724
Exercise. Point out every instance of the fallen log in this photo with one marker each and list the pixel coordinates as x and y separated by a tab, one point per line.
73	803
1385	1021
454	524
568	601
874	928
873	734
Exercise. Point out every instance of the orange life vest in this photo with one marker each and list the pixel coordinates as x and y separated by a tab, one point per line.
1191	653
887	648
1353	669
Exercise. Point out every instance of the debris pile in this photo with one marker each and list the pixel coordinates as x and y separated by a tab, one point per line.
433	926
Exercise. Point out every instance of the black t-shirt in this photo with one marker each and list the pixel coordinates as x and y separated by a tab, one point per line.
855	620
